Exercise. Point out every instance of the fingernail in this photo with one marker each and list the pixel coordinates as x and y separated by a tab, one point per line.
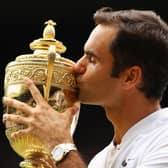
26	79
4	118
75	110
4	99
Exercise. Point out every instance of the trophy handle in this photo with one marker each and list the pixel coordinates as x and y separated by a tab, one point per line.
50	67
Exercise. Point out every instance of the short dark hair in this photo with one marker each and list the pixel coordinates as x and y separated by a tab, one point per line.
142	40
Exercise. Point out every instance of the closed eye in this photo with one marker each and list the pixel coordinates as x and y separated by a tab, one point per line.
92	59
91	56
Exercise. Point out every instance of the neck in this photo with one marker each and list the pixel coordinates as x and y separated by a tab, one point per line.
128	114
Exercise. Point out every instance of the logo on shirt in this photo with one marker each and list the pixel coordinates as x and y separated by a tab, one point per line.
126	161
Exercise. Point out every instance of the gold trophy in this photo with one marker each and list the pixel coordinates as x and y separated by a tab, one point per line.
53	76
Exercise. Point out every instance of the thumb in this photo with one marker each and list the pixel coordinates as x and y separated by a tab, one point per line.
70	112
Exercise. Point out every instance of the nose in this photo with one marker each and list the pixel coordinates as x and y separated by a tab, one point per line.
80	66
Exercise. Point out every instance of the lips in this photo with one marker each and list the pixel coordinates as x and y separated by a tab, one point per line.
78	82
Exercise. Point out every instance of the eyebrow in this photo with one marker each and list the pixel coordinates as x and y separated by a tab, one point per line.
89	52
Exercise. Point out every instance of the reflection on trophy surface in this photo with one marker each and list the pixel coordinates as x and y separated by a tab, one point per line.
53	76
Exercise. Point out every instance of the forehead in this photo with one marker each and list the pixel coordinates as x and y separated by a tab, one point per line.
101	37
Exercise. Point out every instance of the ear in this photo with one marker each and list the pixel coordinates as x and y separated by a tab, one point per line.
131	77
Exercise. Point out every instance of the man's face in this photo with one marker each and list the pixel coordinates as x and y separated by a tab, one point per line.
96	86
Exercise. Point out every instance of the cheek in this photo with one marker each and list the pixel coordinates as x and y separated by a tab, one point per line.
99	81
97	75
95	71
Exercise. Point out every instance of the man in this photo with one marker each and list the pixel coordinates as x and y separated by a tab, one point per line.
125	70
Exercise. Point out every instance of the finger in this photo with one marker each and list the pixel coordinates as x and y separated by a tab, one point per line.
34	91
77	107
18	105
73	117
21	132
71	111
15	118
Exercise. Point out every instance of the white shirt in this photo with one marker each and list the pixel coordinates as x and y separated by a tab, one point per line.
145	145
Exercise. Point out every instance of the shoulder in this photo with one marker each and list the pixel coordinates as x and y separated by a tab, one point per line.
155	142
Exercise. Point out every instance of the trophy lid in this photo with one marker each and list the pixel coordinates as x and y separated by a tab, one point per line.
45	66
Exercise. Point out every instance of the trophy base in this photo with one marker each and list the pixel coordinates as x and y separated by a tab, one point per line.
37	163
30	148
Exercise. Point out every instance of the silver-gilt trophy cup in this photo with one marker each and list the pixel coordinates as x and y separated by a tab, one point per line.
53	76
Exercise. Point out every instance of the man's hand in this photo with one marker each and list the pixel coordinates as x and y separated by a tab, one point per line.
42	120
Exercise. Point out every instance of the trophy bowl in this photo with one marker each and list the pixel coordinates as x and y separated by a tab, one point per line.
53	76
